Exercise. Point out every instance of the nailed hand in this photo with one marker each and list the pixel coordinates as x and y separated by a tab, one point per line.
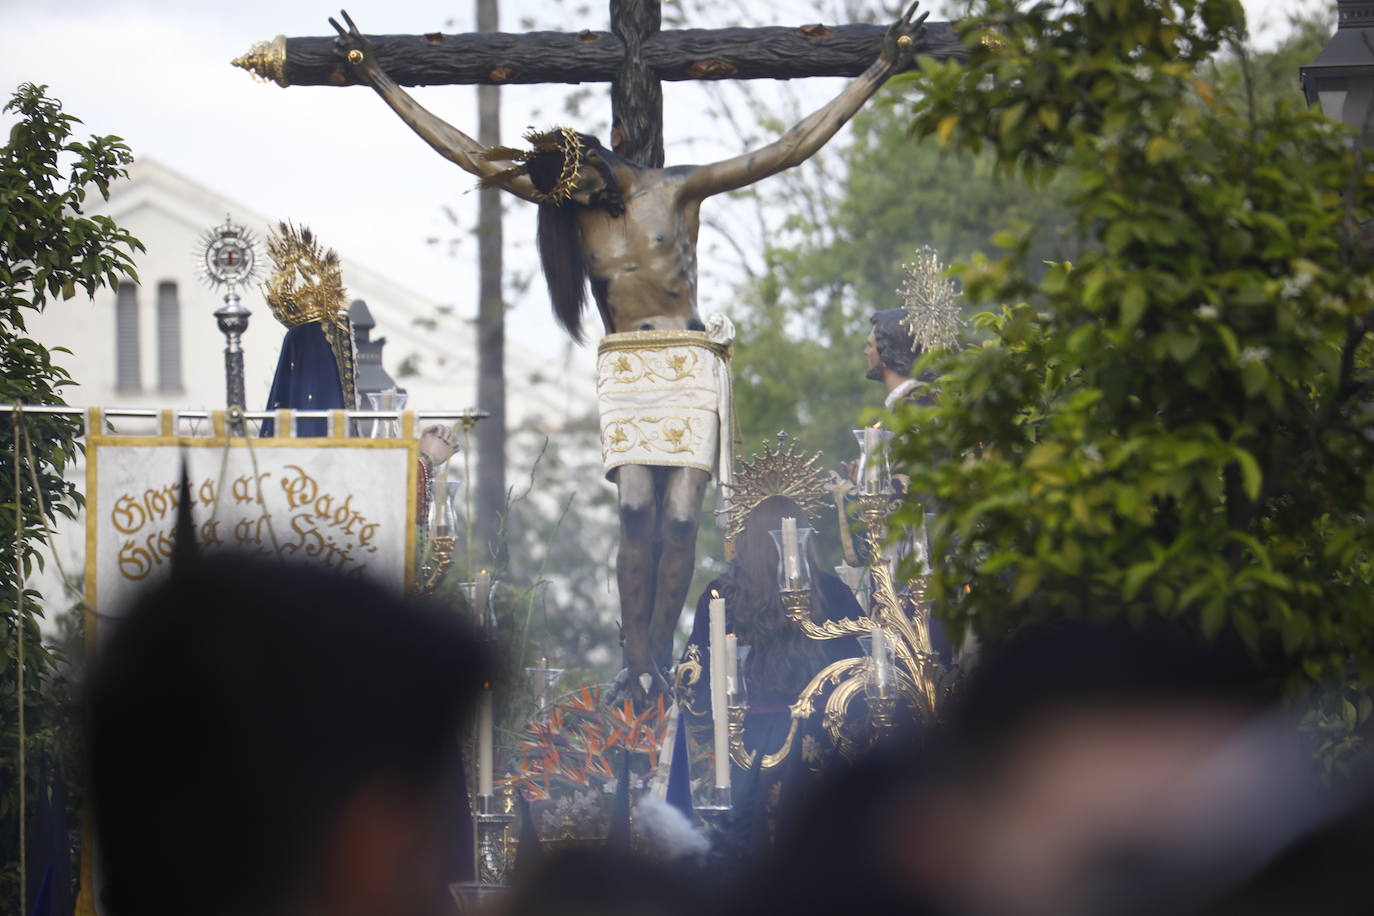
352	46
902	39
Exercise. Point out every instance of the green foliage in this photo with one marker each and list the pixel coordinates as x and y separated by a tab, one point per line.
554	598
47	249
1175	422
799	362
560	527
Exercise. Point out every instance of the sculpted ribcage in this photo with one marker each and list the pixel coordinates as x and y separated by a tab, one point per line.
645	260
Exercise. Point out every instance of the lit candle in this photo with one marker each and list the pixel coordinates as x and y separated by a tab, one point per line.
720	713
485	734
483	599
791	557
879	649
543	675
871	439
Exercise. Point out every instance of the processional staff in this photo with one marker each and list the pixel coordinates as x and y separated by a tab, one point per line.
229	259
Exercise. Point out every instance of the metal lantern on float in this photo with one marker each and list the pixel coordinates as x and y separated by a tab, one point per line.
1341	79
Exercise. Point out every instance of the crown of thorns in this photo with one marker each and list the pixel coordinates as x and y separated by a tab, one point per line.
563	140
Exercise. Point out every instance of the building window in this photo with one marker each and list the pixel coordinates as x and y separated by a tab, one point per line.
127	374
168	337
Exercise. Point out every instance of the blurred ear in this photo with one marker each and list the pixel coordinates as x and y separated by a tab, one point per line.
926	840
369	858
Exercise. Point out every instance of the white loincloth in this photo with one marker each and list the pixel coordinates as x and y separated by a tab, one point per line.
664	399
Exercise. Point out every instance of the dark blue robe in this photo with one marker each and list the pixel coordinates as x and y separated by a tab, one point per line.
768	720
307	378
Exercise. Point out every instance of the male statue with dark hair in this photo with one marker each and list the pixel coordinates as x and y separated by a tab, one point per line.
892	351
631	231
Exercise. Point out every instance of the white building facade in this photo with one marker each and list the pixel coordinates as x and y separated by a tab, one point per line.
156	344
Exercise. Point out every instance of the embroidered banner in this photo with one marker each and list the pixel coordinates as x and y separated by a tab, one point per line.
347	504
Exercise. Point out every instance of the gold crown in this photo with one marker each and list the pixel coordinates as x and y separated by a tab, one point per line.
931	302
307	284
781	471
564	140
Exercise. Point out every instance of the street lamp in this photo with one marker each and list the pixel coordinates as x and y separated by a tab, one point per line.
1341	79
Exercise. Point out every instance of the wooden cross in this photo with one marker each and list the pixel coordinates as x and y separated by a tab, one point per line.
634	57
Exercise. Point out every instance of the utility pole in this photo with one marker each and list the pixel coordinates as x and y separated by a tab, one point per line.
491	324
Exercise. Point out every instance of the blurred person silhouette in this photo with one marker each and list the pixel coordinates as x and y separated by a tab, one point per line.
266	738
608	881
1099	768
1086	768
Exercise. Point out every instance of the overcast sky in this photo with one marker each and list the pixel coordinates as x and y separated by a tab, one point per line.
157	73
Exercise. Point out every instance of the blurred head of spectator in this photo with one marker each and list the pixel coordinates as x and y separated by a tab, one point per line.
266	738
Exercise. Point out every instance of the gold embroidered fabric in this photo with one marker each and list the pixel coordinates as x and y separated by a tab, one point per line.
662	396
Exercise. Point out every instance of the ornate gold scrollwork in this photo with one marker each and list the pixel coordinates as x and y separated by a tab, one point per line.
689	672
797	604
837	709
441	559
744	758
904	616
804	708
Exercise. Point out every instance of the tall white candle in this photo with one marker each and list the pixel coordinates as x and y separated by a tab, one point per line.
543	674
791	557
483	599
879	649
664	771
485	735
871	459
720	713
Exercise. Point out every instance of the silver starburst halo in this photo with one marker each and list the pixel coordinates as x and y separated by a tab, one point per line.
228	255
931	302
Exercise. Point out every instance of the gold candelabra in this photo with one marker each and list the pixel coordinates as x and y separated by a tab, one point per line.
432	574
440	542
912	679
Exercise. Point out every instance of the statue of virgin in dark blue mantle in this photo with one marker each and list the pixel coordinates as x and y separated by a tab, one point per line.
780	659
306	294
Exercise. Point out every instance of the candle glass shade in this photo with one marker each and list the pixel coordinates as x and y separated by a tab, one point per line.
800	579
874	470
872	685
485	623
853	576
444	511
390	399
543	680
741	683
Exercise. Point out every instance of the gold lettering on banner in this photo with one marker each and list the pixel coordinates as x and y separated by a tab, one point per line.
127	516
322	526
325	524
134	562
131	513
138	558
248	490
300	487
208	533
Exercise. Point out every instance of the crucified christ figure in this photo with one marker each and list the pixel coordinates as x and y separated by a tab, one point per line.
630	232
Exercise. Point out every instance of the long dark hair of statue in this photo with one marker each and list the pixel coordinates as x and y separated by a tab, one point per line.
782	659
560	238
